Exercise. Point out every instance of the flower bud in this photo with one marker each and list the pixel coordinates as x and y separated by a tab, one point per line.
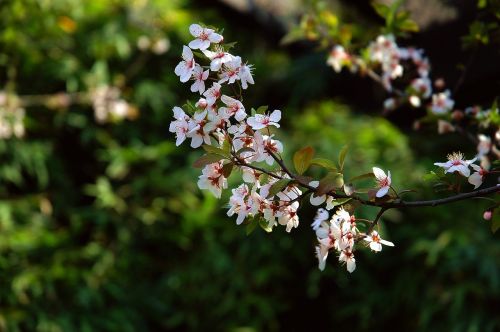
487	215
439	83
457	115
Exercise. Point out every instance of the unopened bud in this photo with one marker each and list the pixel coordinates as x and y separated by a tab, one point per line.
416	125
487	215
457	115
440	83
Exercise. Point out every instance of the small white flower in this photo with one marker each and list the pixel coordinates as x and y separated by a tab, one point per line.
204	37
476	179
337	58
230	71
234	108
321	215
217	58
422	87
212	179
245	75
322	255
199	77
384	181
347	257
261	121
186	67
375	242
484	145
180	126
456	163
199	130
442	103
213	94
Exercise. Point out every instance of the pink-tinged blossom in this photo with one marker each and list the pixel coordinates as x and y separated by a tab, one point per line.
265	146
217	58
212	178
375	241
476	179
383	180
199	130
322	255
442	103
484	145
456	163
321	216
230	71
213	93
261	121
347	257
199	77
180	126
204	37
422	87
233	108
245	75
318	200
337	58
186	67
289	216
385	51
250	175
390	104
238	205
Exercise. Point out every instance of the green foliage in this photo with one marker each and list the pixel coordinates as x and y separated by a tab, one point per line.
302	159
102	227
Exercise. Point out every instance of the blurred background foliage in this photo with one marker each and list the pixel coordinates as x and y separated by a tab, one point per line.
102	227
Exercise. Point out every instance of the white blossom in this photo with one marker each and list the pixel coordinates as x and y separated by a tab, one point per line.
456	163
204	37
186	67
375	241
384	181
261	121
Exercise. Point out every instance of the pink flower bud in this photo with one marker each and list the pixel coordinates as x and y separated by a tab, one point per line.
457	115
487	215
439	83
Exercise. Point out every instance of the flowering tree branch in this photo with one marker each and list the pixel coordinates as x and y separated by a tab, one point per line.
232	138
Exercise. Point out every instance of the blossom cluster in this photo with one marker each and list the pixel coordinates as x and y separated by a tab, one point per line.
233	137
392	61
11	117
109	106
340	233
457	164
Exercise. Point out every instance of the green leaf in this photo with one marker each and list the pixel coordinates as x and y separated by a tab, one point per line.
264	178
330	182
342	155
250	227
294	35
325	163
381	9
265	225
262	109
431	177
408	25
340	201
278	186
216	150
362	177
302	159
245	149
207	159
227	169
